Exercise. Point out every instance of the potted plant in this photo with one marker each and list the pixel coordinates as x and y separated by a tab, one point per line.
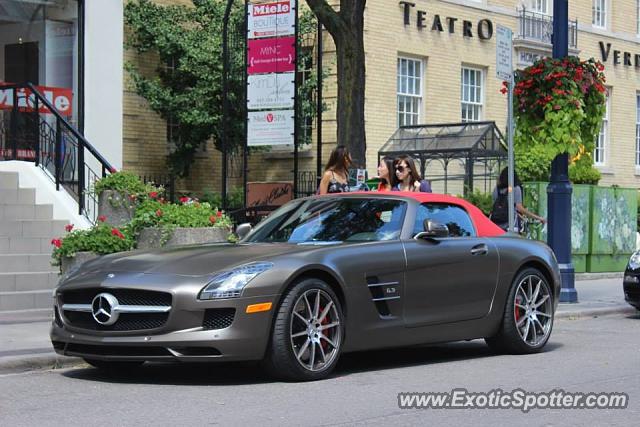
119	193
157	223
79	246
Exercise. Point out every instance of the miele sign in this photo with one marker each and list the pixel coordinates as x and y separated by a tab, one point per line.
483	28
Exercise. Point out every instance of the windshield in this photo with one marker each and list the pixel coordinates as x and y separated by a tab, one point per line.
332	220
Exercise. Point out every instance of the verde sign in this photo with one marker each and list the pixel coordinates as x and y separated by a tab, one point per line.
483	29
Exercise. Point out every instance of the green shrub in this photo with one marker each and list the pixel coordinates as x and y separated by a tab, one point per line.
235	198
481	200
126	183
102	239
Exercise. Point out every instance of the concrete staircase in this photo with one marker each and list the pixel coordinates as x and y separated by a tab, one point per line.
26	229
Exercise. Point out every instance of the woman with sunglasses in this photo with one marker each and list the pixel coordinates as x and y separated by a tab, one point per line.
336	174
408	177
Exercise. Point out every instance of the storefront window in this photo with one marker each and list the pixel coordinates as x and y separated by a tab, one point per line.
599	157
471	94
409	91
599	13
39	44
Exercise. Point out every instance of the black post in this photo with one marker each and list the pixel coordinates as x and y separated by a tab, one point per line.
14	124
245	154
37	114
225	99
57	155
81	183
319	109
296	105
559	189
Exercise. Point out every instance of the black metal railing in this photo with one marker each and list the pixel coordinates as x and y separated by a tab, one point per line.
34	130
539	27
307	184
168	182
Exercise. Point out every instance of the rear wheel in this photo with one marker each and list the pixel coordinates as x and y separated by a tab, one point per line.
113	366
308	333
528	315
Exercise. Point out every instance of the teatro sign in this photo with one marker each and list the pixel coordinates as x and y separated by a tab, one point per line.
483	28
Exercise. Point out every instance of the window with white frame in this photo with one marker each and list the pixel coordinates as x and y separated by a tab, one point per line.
637	128
409	91
541	6
599	13
599	153
471	94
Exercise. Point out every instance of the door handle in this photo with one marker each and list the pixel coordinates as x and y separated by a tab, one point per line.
481	249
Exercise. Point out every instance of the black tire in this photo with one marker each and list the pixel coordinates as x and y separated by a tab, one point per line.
281	361
113	366
509	338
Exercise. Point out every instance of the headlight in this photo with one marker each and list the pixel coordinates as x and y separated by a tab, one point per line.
229	284
634	261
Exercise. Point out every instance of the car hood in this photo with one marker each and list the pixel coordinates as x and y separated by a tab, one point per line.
189	260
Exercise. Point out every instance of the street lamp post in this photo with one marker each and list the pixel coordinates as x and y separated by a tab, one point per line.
559	189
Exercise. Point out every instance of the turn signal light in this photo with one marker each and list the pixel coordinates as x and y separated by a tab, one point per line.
256	308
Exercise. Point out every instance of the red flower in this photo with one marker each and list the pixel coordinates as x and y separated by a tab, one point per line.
56	242
599	66
158	213
184	199
153	194
112	170
116	232
219	214
212	219
102	218
68	227
558	83
557	107
503	90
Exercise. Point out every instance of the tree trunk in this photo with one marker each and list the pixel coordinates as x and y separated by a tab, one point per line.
351	82
346	28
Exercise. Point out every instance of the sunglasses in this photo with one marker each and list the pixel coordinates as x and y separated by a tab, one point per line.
401	168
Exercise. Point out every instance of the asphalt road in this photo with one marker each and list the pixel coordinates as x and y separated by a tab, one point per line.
584	355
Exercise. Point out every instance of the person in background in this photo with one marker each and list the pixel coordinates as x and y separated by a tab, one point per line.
408	178
336	174
500	210
386	175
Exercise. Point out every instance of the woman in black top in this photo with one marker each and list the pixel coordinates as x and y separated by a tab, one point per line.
336	176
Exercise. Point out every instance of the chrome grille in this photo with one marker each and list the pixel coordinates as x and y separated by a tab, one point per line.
126	321
124	296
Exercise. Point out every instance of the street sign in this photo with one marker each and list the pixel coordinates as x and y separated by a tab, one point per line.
504	49
269	91
271	55
270	127
271	19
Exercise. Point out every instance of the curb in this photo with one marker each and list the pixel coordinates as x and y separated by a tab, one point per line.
599	276
19	364
595	312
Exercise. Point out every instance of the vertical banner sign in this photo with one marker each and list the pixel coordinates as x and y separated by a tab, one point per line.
271	71
504	71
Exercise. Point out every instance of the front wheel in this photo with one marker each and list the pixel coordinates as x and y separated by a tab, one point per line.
528	315
308	333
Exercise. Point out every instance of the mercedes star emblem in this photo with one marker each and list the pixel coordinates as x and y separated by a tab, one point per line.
103	309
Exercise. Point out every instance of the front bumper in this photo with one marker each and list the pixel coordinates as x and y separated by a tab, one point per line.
182	338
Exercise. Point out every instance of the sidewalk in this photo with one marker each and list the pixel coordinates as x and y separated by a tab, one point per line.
25	345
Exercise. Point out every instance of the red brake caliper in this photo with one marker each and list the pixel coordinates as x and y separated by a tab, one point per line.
324	343
516	309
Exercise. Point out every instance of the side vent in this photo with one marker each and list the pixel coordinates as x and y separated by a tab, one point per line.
383	294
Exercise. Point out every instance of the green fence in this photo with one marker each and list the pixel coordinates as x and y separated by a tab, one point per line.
603	224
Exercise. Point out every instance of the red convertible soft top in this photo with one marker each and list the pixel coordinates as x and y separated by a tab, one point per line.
484	226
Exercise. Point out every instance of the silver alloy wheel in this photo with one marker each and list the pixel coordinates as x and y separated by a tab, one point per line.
315	330
533	310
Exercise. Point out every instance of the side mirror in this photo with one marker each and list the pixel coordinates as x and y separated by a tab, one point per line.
243	229
433	230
